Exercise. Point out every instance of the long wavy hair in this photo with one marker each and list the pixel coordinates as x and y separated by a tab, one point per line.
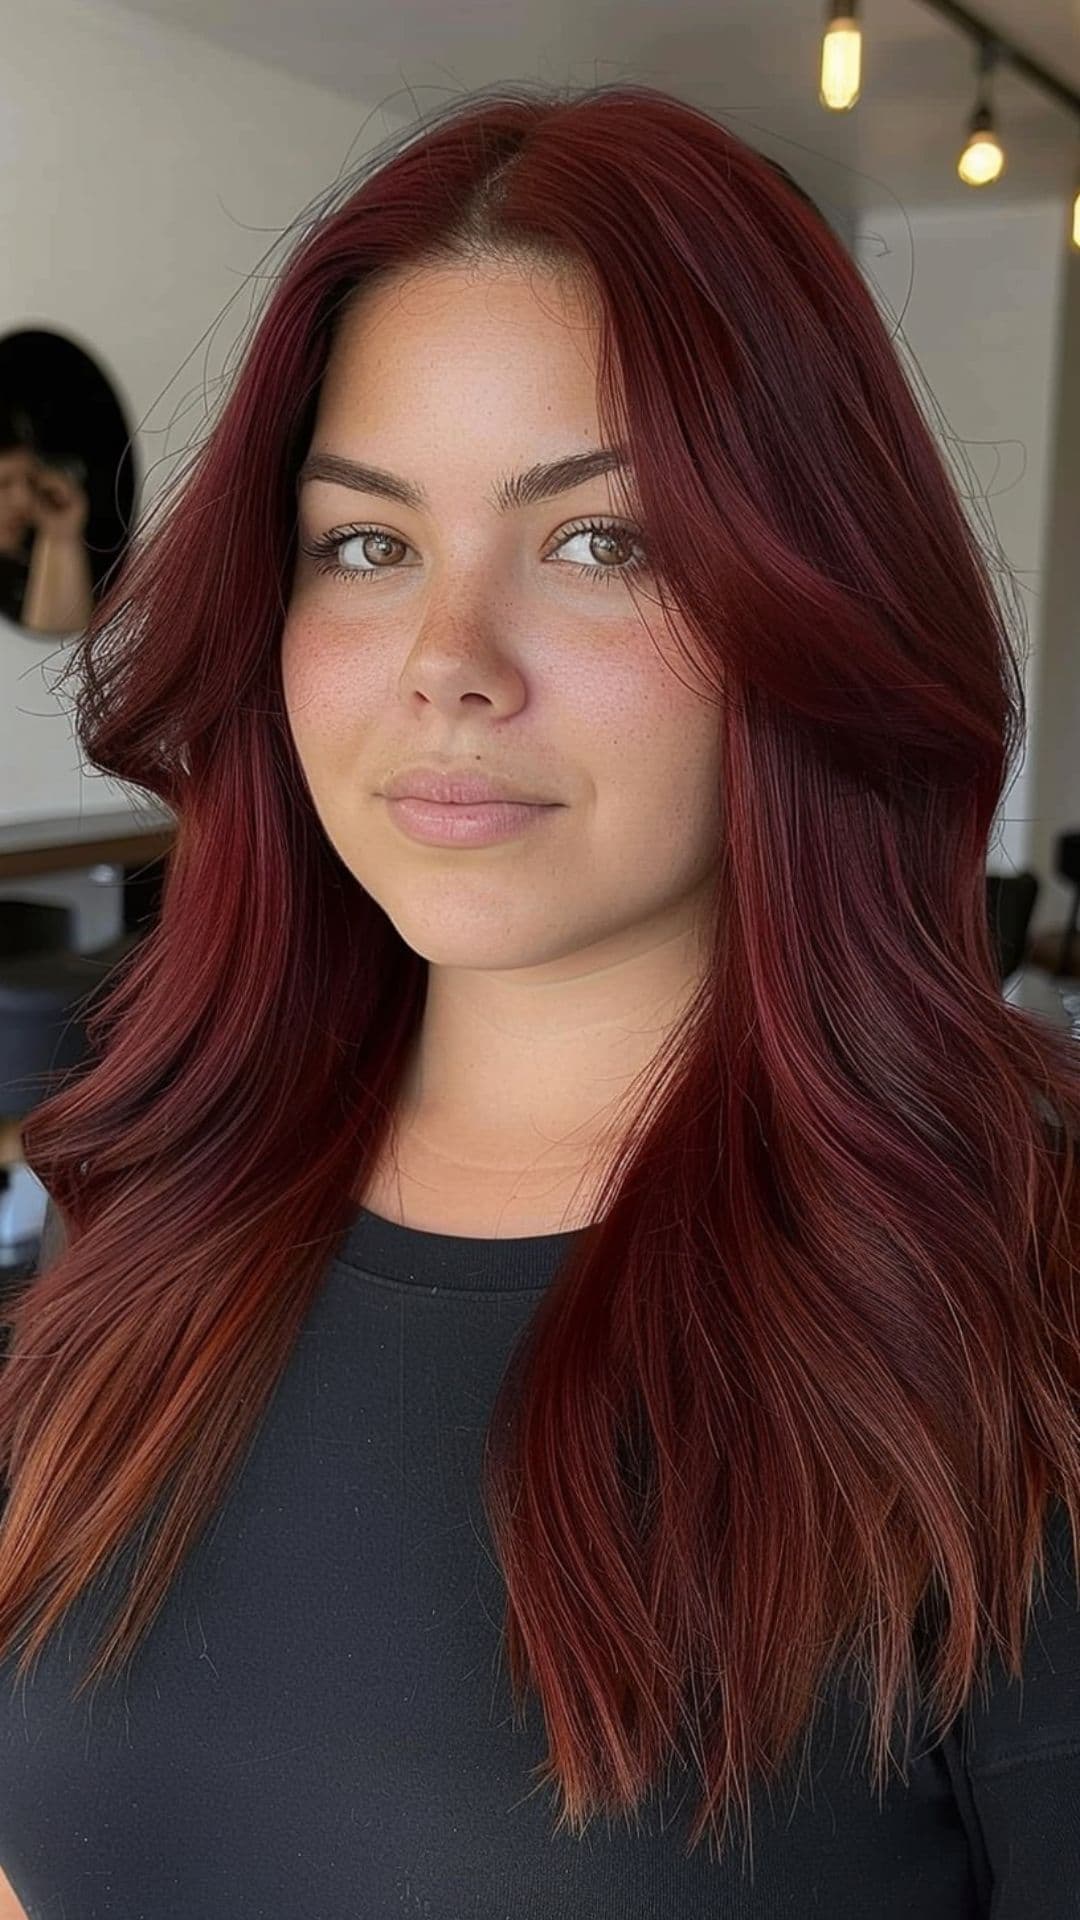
803	1392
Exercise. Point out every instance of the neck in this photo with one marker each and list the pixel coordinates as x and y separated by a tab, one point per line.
528	1068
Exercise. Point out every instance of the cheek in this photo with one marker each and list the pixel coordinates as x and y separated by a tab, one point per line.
682	782
326	683
663	758
652	723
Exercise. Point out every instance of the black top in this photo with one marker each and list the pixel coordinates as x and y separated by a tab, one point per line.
319	1727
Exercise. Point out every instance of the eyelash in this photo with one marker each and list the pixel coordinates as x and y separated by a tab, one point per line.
328	543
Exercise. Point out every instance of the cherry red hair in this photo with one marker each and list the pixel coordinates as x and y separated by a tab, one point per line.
806	1388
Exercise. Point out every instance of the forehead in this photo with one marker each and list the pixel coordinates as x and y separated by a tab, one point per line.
482	345
420	292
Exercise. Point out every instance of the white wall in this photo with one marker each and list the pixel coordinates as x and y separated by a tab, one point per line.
1056	784
143	173
981	298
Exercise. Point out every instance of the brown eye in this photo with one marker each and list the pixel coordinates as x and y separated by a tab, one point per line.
617	539
366	541
326	551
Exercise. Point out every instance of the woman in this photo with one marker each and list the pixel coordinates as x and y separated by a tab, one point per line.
562	1160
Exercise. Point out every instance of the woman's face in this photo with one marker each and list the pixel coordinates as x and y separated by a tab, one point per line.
492	641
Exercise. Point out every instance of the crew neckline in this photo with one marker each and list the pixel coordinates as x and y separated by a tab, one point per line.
420	1258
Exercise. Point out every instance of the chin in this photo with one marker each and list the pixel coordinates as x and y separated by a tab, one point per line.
462	936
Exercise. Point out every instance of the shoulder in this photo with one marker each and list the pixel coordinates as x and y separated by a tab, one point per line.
1014	1754
1036	1714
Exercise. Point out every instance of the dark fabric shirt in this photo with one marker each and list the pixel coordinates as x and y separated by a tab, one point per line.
319	1726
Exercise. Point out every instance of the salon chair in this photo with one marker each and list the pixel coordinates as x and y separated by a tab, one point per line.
47	990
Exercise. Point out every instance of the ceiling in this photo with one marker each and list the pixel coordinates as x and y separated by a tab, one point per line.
751	63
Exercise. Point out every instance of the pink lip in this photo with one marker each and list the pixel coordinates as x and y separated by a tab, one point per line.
464	824
455	789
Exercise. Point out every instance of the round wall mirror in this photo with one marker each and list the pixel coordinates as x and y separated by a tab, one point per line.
67	482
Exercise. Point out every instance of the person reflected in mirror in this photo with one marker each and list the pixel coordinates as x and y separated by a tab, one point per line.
46	582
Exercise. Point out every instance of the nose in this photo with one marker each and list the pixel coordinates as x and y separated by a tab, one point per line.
460	649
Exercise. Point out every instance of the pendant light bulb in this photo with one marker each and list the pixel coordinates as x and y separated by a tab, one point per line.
841	57
983	158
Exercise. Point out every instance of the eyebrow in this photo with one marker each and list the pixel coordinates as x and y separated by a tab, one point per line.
512	490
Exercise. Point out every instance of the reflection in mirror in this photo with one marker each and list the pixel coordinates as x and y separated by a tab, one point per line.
67	482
